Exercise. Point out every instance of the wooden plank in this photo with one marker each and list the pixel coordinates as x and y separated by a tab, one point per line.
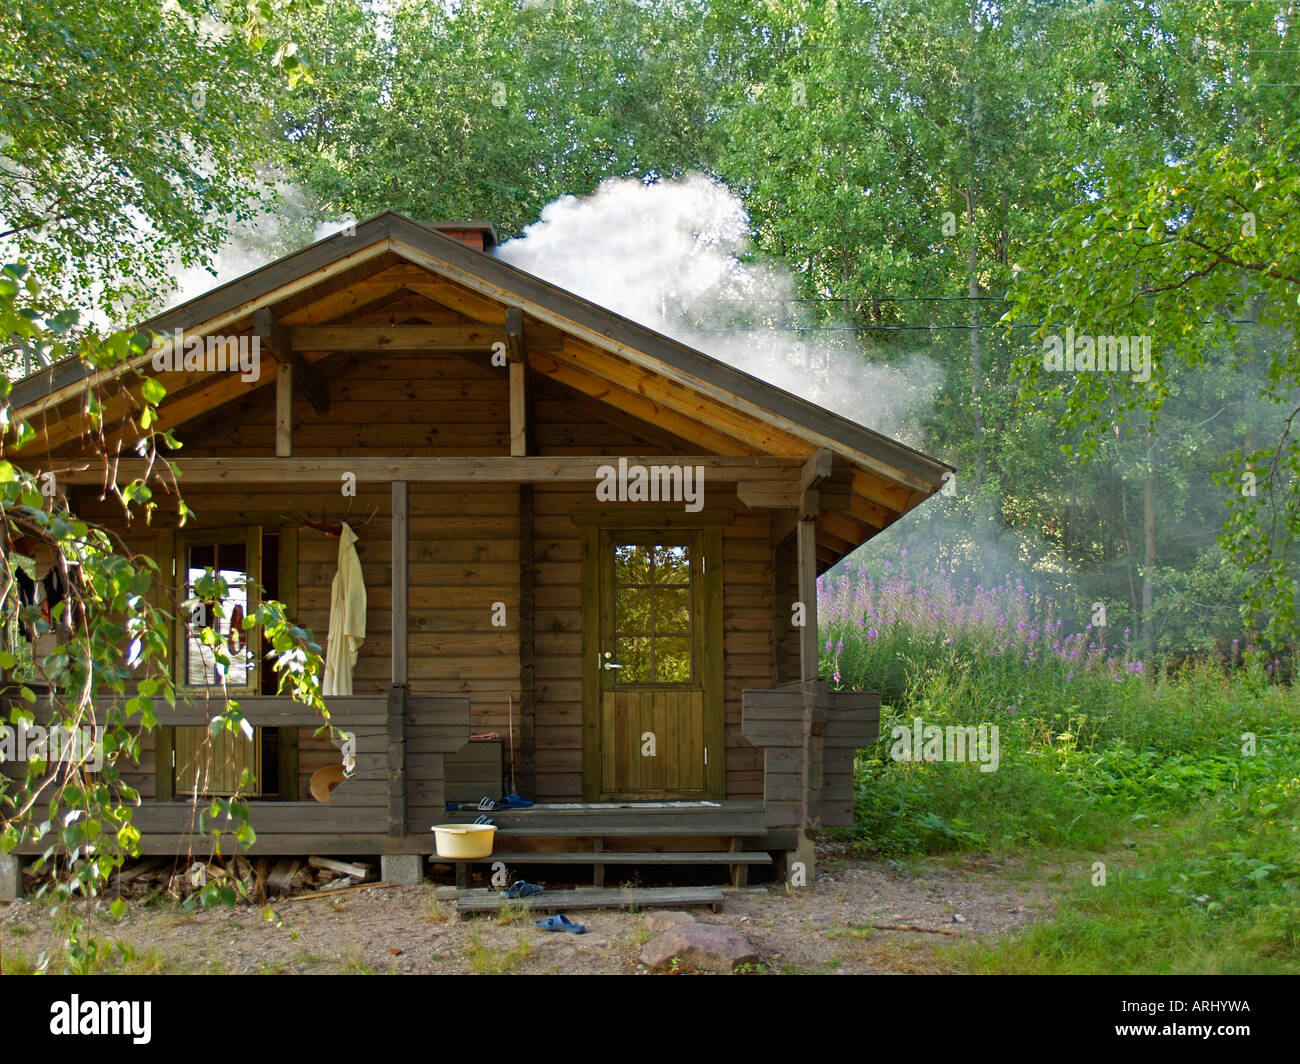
276	338
815	702
622	857
281	875
284	410
394	337
482	901
526	737
807	551
593	753
345	868
570	372
401	517
427	469
397	708
817	470
274	711
327	892
684	827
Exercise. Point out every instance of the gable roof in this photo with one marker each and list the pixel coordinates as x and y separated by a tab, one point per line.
897	477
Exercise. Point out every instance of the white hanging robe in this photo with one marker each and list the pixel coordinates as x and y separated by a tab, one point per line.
347	630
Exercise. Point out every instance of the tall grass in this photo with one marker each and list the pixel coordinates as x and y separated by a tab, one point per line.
1095	745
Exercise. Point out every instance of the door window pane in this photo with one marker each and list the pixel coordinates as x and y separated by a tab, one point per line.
229	561
653	613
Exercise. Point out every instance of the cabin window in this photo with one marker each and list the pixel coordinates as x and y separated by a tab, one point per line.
653	612
216	616
248	561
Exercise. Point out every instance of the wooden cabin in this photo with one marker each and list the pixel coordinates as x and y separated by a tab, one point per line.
577	535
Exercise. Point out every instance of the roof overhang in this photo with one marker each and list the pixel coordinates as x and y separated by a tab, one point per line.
916	475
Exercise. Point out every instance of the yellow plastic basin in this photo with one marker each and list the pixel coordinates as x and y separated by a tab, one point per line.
464	840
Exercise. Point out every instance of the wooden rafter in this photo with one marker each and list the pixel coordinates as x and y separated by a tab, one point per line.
430	470
582	380
275	338
589	407
763	437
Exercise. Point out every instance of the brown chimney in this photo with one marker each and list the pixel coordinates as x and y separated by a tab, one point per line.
478	235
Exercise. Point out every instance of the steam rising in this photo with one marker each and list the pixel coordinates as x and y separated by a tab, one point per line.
282	222
672	256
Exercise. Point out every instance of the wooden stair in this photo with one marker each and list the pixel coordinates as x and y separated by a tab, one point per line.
622	834
484	901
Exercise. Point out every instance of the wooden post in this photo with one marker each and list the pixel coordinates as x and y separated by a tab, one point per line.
525	736
284	410
273	336
399	693
518	382
807	548
400	580
815	472
398	697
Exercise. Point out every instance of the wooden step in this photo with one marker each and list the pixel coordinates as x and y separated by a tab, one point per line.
485	901
710	857
516	826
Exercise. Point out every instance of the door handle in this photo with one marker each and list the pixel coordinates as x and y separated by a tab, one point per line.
606	663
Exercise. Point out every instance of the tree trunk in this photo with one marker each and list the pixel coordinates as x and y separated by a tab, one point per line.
1149	555
976	345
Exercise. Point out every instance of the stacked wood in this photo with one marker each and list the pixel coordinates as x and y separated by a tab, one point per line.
358	872
281	878
261	878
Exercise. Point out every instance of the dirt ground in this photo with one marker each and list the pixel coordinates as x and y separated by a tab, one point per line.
825	929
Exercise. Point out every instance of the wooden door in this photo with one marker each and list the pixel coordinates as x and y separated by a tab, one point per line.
214	765
657	671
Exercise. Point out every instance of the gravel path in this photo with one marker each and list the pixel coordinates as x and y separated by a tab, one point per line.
407	930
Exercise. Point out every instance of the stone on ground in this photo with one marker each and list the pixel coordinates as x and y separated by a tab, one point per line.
701	947
401	868
11	877
655	922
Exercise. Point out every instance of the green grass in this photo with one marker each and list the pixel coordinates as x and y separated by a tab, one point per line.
1215	894
1149	772
495	960
151	962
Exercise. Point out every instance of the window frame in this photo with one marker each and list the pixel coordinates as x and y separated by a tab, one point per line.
252	537
693	540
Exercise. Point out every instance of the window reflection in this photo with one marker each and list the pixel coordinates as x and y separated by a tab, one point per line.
653	612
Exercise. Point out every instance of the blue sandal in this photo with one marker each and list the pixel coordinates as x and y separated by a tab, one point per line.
521	889
560	922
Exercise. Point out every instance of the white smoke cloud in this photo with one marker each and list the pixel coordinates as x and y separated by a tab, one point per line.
282	222
671	256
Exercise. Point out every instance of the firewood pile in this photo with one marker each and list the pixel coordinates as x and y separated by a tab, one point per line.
264	879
